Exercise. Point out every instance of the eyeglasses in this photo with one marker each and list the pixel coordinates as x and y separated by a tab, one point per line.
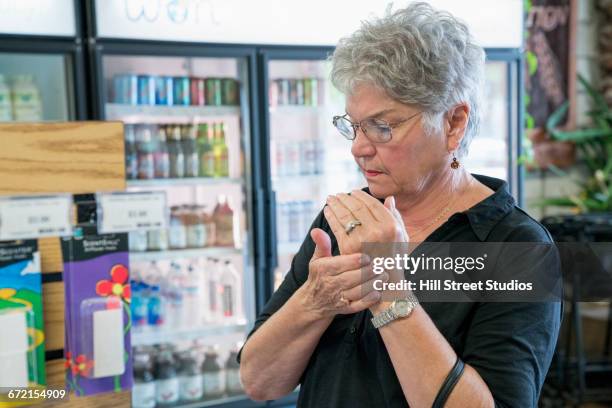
376	130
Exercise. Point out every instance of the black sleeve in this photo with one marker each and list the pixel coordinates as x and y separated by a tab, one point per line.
297	275
511	344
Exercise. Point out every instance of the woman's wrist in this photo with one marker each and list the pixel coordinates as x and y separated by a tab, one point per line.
307	306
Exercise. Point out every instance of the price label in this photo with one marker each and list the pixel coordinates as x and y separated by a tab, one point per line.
35	217
123	212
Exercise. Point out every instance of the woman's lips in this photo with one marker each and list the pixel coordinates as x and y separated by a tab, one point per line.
372	173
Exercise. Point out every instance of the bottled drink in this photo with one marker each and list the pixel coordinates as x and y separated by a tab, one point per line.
161	158
131	153
194	225
157	240
224	222
173	296
27	106
144	145
205	153
190	150
6	108
233	385
143	390
166	379
220	151
190	378
139	305
177	234
230	292
175	151
319	157
192	308
213	288
212	375
155	311
137	241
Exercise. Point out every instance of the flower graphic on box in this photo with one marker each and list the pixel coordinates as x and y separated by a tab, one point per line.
117	286
79	366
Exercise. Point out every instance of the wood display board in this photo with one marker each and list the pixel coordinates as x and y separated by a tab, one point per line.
68	157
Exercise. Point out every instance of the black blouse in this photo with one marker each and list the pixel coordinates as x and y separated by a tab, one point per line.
510	344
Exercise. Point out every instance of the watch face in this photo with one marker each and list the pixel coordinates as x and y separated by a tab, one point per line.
401	307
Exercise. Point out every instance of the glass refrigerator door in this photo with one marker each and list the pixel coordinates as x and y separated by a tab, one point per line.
309	158
186	130
35	87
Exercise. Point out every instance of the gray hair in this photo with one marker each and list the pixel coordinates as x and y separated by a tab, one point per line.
417	55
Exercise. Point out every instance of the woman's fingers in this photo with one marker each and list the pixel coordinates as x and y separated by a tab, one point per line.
350	279
357	208
359	291
335	265
376	207
364	303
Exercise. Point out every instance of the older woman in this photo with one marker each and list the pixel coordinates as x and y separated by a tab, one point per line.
412	80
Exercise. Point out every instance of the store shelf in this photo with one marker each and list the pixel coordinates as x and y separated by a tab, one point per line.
166	114
183	254
168	335
187	181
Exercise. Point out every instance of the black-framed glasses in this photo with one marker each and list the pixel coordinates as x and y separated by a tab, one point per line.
376	130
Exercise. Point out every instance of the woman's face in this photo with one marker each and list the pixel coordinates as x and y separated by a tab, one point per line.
403	165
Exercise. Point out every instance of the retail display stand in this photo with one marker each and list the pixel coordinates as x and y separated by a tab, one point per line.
75	158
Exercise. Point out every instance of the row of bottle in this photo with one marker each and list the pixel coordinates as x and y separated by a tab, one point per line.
190	227
303	157
294	219
20	99
296	91
185	294
165	375
176	151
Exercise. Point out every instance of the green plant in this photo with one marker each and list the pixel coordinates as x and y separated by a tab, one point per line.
595	147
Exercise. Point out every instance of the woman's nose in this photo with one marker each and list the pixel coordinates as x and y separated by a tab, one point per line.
362	147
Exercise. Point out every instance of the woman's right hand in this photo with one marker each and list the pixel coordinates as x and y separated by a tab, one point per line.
340	284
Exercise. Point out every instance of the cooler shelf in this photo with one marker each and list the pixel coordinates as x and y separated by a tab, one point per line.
168	335
186	181
166	114
183	254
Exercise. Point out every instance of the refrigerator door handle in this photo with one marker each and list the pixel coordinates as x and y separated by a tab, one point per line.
274	236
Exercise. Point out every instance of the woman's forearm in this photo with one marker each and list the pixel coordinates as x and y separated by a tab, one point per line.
422	358
276	355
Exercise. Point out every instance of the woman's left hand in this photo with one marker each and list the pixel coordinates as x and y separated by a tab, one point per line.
379	223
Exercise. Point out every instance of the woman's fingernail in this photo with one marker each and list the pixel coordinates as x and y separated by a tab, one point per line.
365	259
384	277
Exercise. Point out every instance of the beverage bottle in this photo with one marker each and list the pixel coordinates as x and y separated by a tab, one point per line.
224	222
167	389
131	154
155	312
27	106
144	145
204	147
213	378
6	108
173	296
194	224
175	151
161	157
190	150
143	390
190	378
221	153
137	241
192	307
230	293
138	305
233	385
319	157
208	155
212	272
177	233
157	240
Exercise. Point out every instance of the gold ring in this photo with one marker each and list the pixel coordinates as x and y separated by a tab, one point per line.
350	226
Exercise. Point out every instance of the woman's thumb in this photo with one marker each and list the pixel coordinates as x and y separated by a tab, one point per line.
322	242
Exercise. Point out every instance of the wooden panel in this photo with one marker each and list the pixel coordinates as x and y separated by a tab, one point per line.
75	157
50	255
53	312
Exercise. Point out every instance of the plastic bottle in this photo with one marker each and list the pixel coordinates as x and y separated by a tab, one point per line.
220	151
166	379
230	292
192	307
155	311
161	157
204	143
213	378
212	284
139	306
143	390
175	151
131	153
194	225
190	378
177	233
224	222
6	108
175	296
233	385
190	149
144	145
27	106
137	241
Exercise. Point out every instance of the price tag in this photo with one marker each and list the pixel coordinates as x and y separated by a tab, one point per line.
123	212
35	217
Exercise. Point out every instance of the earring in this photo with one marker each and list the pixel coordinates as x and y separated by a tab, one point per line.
455	163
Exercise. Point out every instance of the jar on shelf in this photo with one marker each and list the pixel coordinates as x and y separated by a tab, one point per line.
194	224
211	229
157	240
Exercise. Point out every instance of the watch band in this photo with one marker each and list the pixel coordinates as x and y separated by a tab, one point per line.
388	315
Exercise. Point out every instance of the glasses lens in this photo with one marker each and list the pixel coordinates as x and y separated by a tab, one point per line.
345	127
377	130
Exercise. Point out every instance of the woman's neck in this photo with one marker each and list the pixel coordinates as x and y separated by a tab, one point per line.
436	201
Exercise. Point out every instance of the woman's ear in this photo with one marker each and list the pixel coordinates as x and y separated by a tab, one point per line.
456	123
